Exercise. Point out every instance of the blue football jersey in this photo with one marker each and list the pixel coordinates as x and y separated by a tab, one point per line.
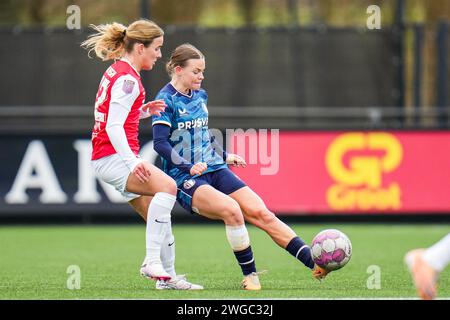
187	117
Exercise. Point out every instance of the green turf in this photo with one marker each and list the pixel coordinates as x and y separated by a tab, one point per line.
34	261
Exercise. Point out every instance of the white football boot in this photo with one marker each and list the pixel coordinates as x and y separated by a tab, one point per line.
178	282
154	271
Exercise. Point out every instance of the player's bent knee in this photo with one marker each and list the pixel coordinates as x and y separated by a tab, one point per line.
169	186
232	214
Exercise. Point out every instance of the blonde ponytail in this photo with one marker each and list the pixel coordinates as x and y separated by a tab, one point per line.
108	42
112	40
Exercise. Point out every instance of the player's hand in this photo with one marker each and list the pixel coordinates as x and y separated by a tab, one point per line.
142	171
198	168
236	160
154	107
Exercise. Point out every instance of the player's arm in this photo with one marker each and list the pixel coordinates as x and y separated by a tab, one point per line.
119	108
235	160
150	108
229	158
161	134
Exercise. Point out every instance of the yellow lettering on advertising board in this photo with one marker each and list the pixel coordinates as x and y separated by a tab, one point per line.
359	182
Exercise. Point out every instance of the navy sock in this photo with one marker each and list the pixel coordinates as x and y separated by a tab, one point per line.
302	252
246	260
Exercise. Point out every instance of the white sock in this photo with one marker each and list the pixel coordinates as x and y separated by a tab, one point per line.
158	217
237	237
168	253
438	255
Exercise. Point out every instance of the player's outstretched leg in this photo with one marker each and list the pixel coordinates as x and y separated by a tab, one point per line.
215	205
256	212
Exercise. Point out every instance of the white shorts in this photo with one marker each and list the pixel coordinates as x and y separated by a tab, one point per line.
112	170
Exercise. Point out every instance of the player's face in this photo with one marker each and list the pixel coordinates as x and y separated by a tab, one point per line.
192	74
151	53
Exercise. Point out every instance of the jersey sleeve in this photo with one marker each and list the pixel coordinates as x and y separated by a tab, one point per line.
161	134
123	95
116	133
125	91
165	117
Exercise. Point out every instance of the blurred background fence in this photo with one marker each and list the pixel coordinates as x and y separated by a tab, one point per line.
290	65
293	78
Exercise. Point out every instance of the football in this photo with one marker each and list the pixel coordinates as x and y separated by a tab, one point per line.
331	249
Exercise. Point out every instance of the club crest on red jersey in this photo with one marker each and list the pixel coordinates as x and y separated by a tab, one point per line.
128	86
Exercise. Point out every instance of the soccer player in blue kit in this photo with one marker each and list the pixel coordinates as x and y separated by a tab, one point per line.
206	185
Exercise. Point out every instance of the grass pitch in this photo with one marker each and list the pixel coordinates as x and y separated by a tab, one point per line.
34	261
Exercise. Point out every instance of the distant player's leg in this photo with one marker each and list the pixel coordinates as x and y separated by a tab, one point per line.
438	255
215	205
425	266
256	212
177	282
163	189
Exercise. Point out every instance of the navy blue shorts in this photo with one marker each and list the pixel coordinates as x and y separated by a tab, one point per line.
223	180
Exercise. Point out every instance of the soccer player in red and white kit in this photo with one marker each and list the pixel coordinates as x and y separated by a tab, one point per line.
119	106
